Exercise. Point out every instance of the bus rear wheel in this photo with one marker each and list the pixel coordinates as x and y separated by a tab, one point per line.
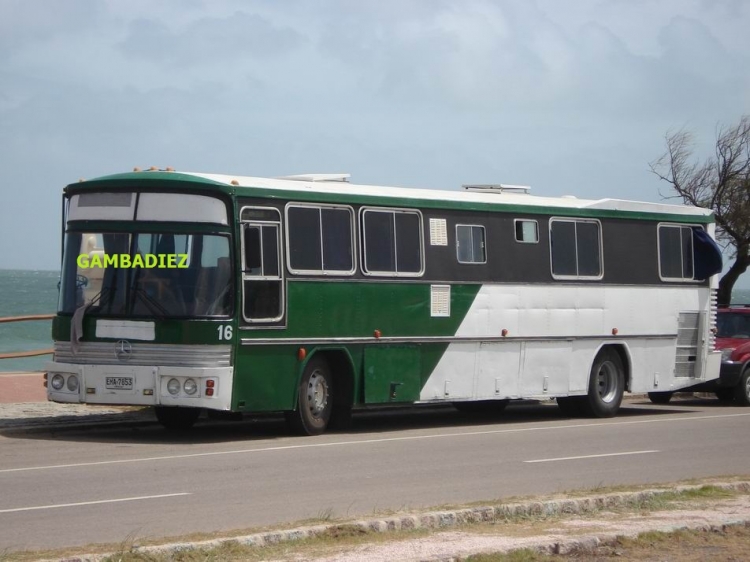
314	399
606	385
177	418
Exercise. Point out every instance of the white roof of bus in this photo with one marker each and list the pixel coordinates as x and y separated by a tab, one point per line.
510	197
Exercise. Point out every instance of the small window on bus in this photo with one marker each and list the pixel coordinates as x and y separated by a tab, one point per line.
527	231
575	249
320	239
261	250
470	245
262	282
392	242
676	252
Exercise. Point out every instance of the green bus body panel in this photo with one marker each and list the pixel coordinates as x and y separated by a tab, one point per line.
324	309
267	375
266	378
392	373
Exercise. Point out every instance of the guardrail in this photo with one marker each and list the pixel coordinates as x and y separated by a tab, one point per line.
33	352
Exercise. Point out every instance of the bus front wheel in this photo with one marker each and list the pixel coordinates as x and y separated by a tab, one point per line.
314	399
177	418
606	385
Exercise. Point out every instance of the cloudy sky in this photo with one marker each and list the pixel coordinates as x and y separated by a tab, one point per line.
570	97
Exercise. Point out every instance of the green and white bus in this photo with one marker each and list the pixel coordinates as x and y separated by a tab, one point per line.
313	296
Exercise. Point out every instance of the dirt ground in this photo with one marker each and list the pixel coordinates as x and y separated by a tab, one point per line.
620	528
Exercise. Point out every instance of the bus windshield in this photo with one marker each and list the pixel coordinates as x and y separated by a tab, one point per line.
162	275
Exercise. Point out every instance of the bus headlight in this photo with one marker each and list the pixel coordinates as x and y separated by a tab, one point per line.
72	383
190	387
57	382
173	387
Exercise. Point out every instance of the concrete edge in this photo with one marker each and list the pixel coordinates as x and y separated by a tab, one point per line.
450	518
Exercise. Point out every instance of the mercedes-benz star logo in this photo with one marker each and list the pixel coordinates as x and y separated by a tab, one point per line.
123	350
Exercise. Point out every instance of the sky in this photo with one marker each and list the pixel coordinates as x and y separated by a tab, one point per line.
571	97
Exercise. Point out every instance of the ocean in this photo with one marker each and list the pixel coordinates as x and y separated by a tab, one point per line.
21	293
35	292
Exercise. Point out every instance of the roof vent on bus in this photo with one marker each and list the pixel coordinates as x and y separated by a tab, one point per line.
497	188
317	177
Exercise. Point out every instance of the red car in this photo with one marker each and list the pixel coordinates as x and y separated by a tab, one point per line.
733	339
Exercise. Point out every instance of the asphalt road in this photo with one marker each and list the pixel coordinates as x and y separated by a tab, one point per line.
82	485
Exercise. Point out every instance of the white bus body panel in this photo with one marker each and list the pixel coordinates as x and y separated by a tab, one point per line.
552	335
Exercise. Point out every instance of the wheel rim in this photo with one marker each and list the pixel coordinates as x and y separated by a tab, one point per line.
606	382
747	388
317	394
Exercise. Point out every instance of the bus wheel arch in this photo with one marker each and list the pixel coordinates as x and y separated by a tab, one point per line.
608	380
342	369
325	392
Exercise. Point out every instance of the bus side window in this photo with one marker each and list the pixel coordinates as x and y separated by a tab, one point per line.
252	250
261	276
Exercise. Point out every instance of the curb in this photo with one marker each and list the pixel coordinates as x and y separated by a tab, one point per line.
450	518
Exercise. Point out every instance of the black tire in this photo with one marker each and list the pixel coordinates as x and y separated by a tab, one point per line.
725	395
660	397
606	386
314	399
481	407
177	418
570	406
742	390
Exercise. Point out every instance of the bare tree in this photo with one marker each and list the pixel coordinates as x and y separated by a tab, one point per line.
721	183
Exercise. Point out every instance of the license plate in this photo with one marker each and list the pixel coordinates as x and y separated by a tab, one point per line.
119	383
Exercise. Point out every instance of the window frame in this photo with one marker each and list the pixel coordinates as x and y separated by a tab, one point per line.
363	246
484	242
321	272
536	222
658	251
243	277
576	220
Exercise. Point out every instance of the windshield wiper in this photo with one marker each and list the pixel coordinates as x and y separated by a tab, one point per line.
76	322
151	303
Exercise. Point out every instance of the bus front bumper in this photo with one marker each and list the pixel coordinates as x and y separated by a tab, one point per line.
197	387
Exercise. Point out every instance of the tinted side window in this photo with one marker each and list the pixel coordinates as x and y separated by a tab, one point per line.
337	240
575	246
563	242
676	252
380	252
587	244
408	243
320	240
392	242
303	227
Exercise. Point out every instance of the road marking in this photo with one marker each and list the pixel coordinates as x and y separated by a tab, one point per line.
17	509
367	442
592	456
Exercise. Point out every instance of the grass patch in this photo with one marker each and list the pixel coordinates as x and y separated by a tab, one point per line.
334	539
728	544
